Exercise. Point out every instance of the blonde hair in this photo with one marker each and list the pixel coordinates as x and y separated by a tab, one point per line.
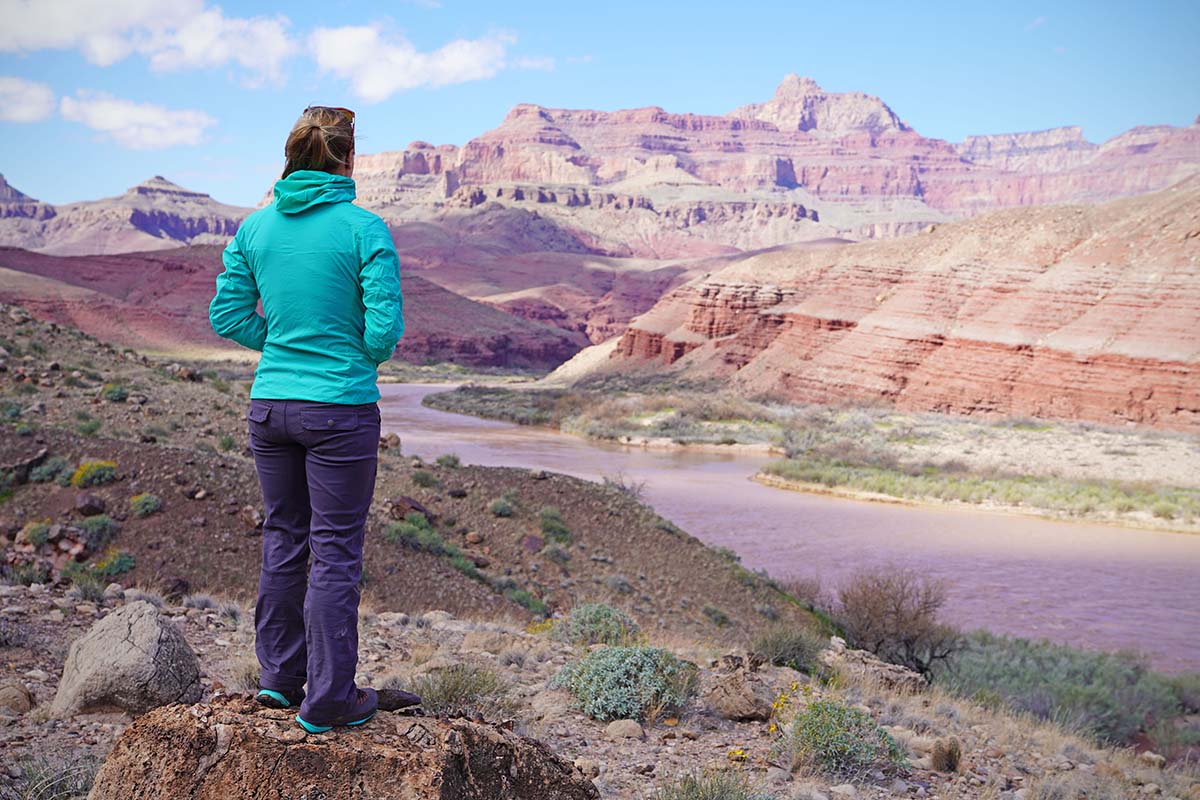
322	139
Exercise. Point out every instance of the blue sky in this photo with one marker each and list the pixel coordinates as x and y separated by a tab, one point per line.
97	95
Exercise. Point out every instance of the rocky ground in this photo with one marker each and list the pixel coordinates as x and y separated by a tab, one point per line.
1002	756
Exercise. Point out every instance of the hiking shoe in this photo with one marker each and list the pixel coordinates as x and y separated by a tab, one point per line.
394	699
275	699
365	706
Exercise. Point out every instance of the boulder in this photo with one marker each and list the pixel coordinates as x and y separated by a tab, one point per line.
89	505
737	691
133	659
861	665
233	747
624	729
15	698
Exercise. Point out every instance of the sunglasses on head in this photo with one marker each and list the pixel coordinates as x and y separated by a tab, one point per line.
347	113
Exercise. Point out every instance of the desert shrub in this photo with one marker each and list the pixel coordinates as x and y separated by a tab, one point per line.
619	584
90	427
597	623
460	689
555	553
712	785
98	531
115	392
551	522
245	674
144	504
448	460
114	562
893	613
12	634
1164	510
10	410
1109	696
501	507
415	533
24	429
633	489
88	586
716	616
1186	687
528	600
226	442
36	532
838	740
790	647
24	574
946	754
628	682
200	601
230	612
146	596
424	478
51	778
49	469
94	473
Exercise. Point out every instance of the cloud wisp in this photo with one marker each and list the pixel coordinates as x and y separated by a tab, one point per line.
25	101
378	67
170	34
137	126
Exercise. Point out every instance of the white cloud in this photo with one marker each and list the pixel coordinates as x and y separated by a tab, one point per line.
25	101
172	34
378	68
138	126
544	63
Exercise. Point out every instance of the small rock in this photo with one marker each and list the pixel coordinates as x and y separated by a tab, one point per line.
588	767
474	537
89	505
15	698
777	776
38	675
624	729
844	790
114	591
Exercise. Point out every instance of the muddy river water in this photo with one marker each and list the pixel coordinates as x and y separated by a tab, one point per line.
1088	585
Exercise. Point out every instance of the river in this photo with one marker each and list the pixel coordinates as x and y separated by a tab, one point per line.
1088	585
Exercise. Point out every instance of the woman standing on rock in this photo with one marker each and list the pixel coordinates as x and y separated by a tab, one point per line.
329	280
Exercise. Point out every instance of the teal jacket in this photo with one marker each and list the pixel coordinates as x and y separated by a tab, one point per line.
329	279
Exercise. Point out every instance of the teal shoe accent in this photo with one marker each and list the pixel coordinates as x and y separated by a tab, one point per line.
277	700
308	726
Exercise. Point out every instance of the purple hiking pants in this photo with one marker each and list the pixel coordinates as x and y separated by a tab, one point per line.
316	465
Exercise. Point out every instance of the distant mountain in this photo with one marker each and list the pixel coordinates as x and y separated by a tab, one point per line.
154	215
159	301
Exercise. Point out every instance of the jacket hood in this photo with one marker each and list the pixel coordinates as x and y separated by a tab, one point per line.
306	188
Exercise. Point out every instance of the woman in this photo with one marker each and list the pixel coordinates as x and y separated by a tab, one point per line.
328	277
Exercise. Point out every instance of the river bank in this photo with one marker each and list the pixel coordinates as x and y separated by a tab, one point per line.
1127	477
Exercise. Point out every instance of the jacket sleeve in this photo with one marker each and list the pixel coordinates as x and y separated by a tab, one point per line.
380	279
234	310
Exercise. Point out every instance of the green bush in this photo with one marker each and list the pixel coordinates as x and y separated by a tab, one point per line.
716	616
94	473
115	392
552	525
555	553
838	740
628	682
90	427
712	785
462	689
597	623
24	574
424	478
528	600
88	585
144	504
49	469
501	507
448	460
790	647
24	429
98	531
226	442
36	532
113	563
1109	696
415	533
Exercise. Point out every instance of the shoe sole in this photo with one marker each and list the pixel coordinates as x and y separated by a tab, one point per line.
272	699
308	726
